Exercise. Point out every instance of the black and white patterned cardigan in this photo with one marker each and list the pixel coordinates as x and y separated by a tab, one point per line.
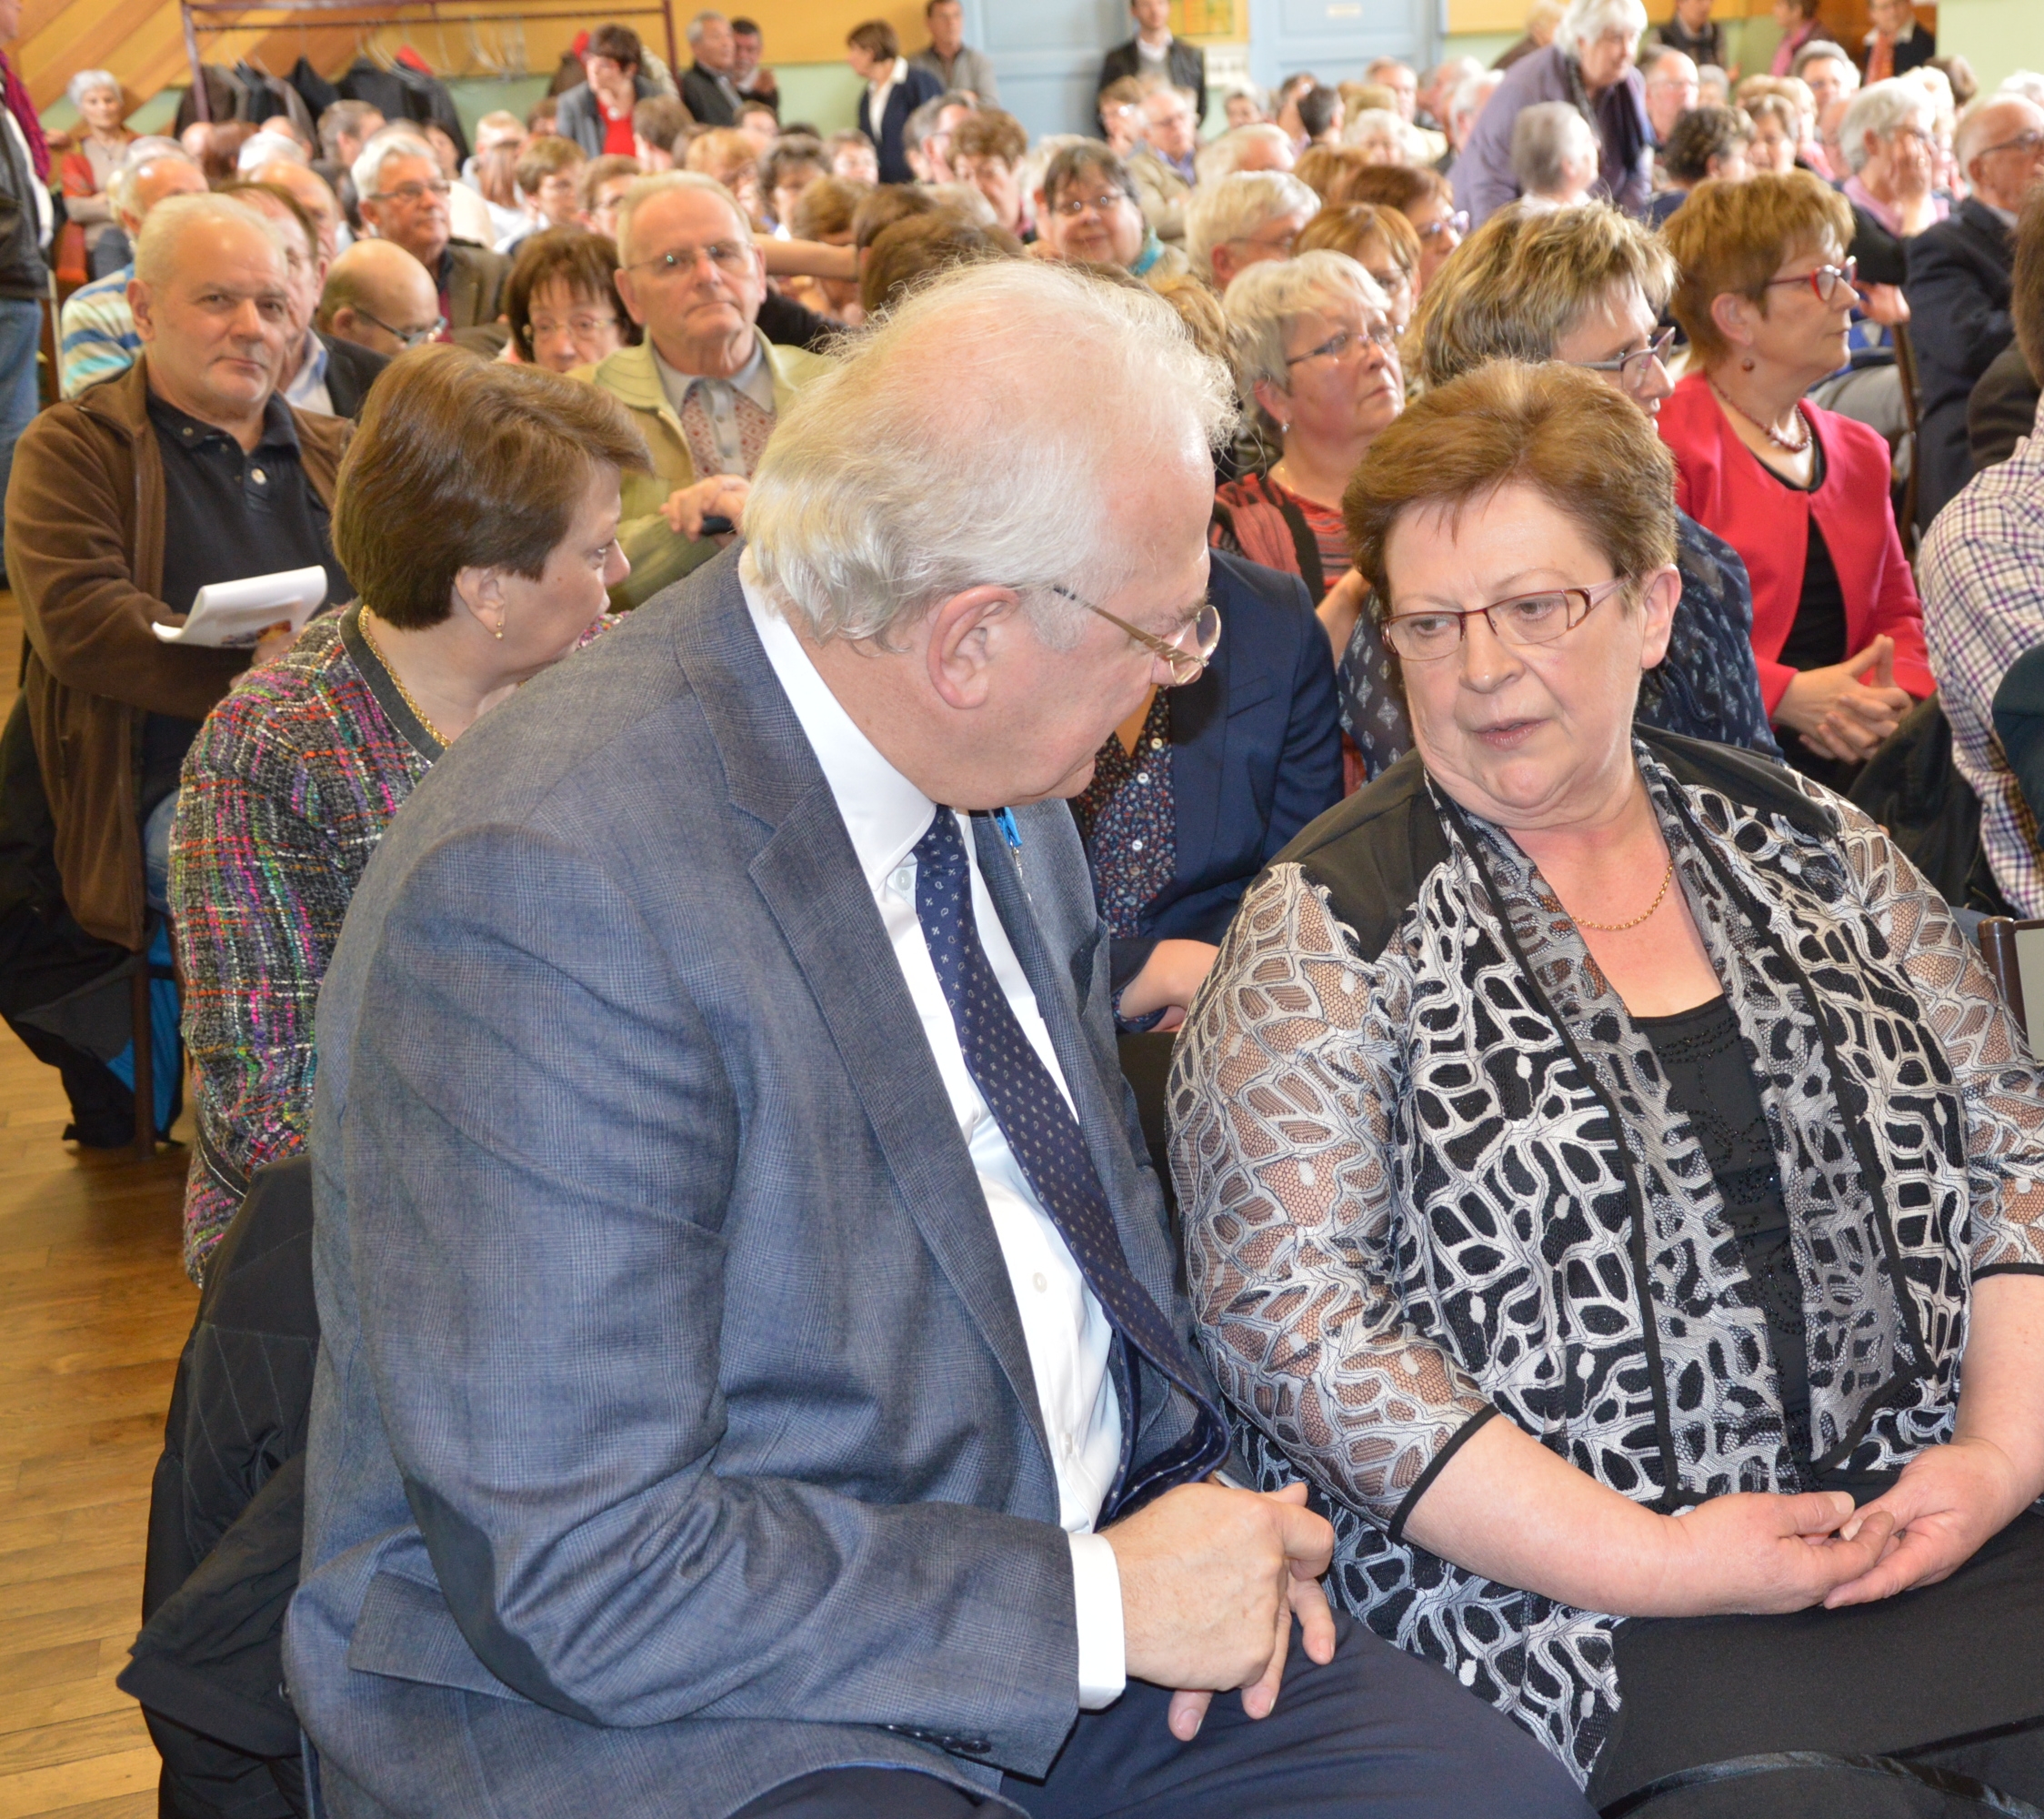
1430	1175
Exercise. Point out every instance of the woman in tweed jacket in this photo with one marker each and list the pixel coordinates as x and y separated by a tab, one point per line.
1599	1151
477	515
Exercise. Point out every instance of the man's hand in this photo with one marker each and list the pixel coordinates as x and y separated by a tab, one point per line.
1751	1552
1846	709
722	494
1170	978
1211	1579
1948	1500
1884	304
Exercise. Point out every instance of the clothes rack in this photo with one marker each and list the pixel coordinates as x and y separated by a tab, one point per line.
204	18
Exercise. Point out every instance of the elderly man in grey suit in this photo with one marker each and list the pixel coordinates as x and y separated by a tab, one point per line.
753	1378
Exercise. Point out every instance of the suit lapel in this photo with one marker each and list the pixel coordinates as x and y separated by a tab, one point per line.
1198	762
809	878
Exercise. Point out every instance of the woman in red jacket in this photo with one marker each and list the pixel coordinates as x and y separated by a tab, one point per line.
1765	295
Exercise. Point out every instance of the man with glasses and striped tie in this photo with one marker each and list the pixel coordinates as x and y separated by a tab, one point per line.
755	1379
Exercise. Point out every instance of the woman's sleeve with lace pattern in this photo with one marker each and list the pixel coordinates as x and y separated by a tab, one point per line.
1279	1098
2001	1089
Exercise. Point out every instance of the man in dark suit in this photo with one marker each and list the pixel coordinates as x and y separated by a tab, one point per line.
706	88
1957	287
403	198
753	1376
1153	51
2002	409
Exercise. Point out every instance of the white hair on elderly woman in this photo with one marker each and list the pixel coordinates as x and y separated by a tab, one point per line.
1223	156
85	82
1586	21
935	456
155	247
1882	108
1235	207
1263	302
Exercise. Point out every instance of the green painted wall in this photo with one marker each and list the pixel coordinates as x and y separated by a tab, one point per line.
1995	36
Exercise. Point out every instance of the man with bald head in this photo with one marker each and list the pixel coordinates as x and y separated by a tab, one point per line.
378	296
315	196
95	332
185	470
1671	79
1959	284
705	386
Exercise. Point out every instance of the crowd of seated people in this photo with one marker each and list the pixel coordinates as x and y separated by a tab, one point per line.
1048	917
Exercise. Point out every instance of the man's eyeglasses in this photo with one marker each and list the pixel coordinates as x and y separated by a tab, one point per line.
1634	369
411	194
1525	620
1824	281
1457	224
727	255
1072	206
1337	347
1186	665
406	337
2029	143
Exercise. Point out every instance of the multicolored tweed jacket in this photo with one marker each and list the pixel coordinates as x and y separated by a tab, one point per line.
1430	1175
287	790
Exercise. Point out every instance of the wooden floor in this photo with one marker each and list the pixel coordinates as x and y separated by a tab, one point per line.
94	1310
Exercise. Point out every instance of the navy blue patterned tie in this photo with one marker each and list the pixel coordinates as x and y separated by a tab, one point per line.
1048	1142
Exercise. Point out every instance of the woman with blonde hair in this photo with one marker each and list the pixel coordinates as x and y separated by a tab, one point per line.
1380	240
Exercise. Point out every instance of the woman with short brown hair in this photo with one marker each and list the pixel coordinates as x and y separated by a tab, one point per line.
1380	240
1595	1151
562	303
477	517
1765	296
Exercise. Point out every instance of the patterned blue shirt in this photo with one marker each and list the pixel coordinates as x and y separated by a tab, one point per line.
95	335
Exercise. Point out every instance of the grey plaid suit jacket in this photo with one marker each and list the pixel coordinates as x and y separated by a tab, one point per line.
674	1432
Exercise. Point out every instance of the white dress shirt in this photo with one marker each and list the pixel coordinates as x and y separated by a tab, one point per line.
307	388
1062	1325
881	90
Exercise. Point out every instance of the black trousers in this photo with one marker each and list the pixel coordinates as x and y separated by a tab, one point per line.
1376	1732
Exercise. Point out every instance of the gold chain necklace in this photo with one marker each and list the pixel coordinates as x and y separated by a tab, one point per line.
397	681
1667	878
1767	430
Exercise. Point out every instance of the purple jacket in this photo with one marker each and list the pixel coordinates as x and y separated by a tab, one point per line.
1483	173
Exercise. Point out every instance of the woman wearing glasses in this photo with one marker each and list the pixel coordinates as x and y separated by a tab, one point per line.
1586	287
1765	295
1317	364
1594	1151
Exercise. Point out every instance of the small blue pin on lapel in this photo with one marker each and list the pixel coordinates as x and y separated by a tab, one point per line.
1004	819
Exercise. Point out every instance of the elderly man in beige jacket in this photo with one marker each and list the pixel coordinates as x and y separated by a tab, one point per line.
705	386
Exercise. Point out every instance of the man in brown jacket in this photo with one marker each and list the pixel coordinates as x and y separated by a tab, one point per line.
185	470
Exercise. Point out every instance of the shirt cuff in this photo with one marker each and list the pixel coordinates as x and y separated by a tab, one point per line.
1103	1661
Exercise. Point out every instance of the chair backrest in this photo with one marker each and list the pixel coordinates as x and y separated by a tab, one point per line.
2013	953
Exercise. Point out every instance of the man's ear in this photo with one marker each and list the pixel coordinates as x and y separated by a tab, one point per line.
967	634
141	306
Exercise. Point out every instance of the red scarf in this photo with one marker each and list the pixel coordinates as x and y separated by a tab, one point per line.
30	122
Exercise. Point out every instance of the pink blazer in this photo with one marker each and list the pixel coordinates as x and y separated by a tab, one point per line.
1721	484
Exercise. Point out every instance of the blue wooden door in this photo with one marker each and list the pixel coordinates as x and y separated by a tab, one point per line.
1335	38
1046	53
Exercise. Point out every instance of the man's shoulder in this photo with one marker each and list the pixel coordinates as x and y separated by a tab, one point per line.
476	257
795	366
100	292
628	375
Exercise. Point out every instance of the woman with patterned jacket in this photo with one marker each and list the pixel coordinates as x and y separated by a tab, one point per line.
1596	1150
477	515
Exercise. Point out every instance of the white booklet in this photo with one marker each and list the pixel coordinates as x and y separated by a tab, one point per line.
233	613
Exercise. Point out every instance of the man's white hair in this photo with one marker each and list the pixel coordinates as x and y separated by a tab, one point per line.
1263	302
156	249
141	154
660	182
1586	21
1968	142
694	32
1223	156
2027	83
1235	207
1368	122
1471	95
935	457
1544	137
399	139
268	148
1881	108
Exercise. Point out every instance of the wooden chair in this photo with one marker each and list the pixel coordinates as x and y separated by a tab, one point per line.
2013	953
